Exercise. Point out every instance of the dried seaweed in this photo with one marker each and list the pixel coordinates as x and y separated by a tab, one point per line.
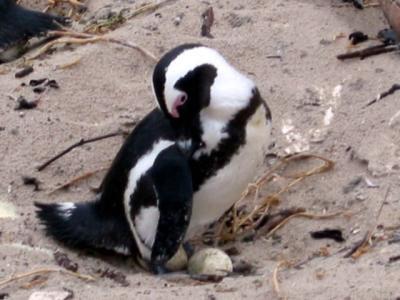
238	221
63	260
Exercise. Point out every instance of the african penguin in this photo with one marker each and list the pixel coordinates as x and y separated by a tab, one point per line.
144	204
180	169
220	117
18	24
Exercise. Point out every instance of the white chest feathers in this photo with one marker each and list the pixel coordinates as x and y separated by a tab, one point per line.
222	190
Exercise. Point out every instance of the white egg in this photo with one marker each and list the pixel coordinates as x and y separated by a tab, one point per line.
210	261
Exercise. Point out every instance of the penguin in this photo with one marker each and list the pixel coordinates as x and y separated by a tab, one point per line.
220	117
18	25
180	169
144	204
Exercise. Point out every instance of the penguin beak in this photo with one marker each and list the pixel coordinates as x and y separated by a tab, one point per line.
179	101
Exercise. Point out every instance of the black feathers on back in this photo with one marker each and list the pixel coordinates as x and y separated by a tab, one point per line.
153	127
18	23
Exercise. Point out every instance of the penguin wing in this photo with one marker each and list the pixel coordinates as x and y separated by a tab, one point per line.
173	185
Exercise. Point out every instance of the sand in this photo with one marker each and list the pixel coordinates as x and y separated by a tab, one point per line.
318	106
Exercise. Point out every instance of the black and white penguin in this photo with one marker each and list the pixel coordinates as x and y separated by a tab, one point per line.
144	204
181	168
18	24
218	114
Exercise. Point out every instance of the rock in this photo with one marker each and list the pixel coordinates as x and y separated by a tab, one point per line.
57	295
179	261
7	210
210	261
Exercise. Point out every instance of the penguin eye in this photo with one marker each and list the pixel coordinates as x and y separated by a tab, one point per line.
182	99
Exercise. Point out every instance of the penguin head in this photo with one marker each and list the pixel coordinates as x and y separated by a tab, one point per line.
195	85
182	83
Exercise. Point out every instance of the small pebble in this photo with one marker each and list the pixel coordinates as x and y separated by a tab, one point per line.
24	72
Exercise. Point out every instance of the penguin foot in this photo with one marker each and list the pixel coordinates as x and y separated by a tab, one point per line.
158	269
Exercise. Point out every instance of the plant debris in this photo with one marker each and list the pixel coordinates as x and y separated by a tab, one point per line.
16	277
39	89
78	179
275	281
369	51
395	87
364	245
358	37
36	82
115	20
37	280
24	72
394	258
116	276
78	144
63	260
333	234
238	221
52	84
208	21
22	104
78	38
29	180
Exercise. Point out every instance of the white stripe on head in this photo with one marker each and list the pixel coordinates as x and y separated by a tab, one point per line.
231	90
141	167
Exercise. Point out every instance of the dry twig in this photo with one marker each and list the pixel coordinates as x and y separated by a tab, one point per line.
395	87
275	281
117	20
237	221
208	21
77	179
45	271
364	245
78	144
71	37
69	64
370	51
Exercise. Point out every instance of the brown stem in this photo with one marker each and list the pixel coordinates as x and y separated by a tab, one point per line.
78	144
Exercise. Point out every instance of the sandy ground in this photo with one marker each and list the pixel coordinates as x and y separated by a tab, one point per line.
317	104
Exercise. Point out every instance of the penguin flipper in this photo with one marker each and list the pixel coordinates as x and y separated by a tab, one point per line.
173	184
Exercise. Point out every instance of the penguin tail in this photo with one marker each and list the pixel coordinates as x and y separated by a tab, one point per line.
82	225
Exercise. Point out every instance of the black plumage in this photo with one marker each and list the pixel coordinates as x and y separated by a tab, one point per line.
180	168
18	24
103	224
